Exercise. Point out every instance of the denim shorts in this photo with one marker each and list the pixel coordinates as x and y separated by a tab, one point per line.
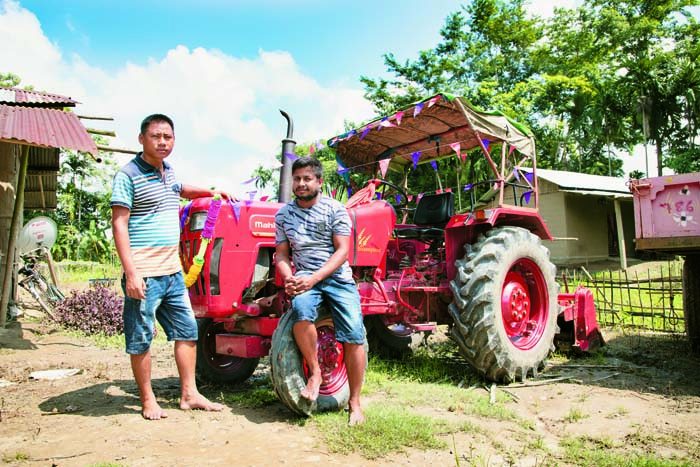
342	299
166	301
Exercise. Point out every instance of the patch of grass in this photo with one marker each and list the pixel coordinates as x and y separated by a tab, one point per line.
575	415
618	412
18	456
253	399
586	450
388	430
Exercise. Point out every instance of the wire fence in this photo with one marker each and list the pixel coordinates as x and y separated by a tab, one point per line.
644	298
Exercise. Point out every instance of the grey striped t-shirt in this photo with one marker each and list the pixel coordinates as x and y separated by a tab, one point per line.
310	234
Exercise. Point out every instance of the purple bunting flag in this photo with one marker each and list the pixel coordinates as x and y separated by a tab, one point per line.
249	181
529	176
418	109
236	210
364	133
398	199
468	187
434	165
516	174
415	156
292	157
526	196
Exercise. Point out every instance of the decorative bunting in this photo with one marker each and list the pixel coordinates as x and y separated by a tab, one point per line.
264	198
236	209
417	109
516	174
248	202
251	194
434	165
364	133
433	101
349	192
312	149
410	198
468	187
448	190
385	123
455	146
379	195
420	195
526	196
438	191
415	156
333	193
486	143
510	151
399	116
292	157
383	165
185	213
398	199
320	146
250	180
529	176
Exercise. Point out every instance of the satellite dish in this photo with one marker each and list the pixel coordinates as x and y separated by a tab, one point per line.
40	231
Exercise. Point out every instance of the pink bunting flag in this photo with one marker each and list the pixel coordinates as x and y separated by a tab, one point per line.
455	146
438	191
510	151
417	109
432	101
410	198
264	198
312	149
420	195
385	123
383	165
399	116
448	190
415	156
333	193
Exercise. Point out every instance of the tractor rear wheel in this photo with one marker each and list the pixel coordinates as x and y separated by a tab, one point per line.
505	304
289	372
691	300
218	368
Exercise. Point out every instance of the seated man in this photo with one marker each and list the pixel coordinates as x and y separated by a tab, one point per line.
316	230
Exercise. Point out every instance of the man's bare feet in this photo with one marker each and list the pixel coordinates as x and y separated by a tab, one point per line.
312	388
200	402
356	417
152	411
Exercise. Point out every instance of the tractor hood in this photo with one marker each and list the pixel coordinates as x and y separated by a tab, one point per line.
437	127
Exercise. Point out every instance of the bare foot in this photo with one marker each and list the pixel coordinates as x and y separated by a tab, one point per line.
152	411
312	388
200	402
356	417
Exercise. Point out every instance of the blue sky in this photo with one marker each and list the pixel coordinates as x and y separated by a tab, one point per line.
220	68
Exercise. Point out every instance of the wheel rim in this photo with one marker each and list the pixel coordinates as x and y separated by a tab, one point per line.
221	363
331	360
524	304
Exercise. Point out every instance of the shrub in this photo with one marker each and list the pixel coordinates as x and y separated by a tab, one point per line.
93	311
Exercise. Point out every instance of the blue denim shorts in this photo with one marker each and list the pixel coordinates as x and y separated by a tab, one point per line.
342	299
166	301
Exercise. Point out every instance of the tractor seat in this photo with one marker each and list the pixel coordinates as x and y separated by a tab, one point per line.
433	212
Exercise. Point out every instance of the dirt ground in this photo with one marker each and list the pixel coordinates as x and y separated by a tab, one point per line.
645	397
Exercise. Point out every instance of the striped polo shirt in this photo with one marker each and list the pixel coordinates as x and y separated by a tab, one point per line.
153	201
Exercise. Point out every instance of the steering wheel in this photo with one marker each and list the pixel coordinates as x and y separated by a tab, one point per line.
387	187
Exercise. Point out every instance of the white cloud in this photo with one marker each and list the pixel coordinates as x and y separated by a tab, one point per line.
225	108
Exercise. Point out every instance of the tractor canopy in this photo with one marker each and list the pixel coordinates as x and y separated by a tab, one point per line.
434	128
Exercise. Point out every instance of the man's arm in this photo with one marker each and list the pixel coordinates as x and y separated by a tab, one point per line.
284	266
342	247
135	286
192	192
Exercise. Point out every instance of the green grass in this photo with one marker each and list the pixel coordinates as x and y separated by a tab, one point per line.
388	430
587	451
18	456
255	398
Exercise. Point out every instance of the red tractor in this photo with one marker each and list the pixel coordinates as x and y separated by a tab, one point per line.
485	271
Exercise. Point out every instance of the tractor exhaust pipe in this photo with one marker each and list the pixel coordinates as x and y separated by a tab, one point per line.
288	145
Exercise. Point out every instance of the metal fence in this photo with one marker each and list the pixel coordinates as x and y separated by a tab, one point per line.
645	298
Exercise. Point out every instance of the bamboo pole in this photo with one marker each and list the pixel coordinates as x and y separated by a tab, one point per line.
14	229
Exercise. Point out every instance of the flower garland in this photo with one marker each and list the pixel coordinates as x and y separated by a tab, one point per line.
207	233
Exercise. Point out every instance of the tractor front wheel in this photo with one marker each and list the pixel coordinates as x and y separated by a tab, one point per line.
218	368
505	304
289	372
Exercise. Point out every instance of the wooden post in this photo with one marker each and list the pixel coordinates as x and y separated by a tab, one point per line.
620	235
14	229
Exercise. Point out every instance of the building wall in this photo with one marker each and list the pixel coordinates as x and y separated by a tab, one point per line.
9	170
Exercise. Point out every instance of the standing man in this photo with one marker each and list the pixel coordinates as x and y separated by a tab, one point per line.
145	224
314	231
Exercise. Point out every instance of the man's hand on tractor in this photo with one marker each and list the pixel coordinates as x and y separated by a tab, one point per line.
226	195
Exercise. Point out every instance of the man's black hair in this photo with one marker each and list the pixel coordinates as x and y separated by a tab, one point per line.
156	118
309	161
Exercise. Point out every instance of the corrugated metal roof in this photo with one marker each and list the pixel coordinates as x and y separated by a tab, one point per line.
585	183
21	96
44	127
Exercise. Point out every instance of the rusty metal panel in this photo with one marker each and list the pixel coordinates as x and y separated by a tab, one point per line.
44	127
22	96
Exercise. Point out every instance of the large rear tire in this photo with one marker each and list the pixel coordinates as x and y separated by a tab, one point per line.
505	304
691	300
289	373
217	368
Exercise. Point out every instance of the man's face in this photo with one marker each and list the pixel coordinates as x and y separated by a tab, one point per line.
158	141
305	184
